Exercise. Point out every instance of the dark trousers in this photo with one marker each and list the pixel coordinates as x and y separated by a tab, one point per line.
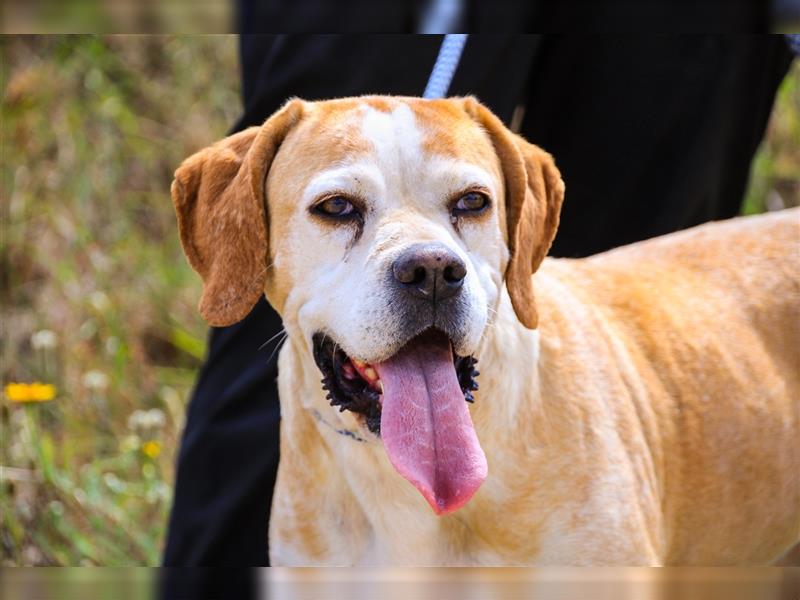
652	134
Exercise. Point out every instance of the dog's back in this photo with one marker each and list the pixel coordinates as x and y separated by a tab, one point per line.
740	276
709	318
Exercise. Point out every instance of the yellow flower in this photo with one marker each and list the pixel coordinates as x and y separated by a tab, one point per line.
42	392
30	392
151	449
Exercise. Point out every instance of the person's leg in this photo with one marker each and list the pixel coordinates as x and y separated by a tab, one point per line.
229	451
652	133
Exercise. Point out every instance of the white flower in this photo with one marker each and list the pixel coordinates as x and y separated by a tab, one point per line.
95	380
135	420
154	419
130	442
44	339
146	420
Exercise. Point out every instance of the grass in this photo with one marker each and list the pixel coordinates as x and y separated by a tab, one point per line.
92	130
97	297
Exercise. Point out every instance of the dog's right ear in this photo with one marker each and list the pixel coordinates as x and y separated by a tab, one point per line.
219	198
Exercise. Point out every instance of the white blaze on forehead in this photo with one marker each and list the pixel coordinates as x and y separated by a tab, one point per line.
396	138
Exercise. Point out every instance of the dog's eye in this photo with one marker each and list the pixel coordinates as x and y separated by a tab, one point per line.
473	202
335	206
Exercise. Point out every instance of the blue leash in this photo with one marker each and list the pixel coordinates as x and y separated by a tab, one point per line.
445	66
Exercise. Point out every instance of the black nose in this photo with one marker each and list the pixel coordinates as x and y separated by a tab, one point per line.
430	271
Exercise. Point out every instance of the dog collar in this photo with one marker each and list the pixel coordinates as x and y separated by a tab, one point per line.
345	432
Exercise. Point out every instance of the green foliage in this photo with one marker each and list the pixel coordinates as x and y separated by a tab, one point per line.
92	129
775	173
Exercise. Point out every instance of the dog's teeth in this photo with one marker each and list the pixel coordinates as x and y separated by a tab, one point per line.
358	363
380	385
370	374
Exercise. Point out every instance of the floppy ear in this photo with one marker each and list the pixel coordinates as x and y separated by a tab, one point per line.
218	195
534	193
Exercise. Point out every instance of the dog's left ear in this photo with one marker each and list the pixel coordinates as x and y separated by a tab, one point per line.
219	198
534	193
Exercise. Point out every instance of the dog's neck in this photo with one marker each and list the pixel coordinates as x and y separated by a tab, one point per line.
501	392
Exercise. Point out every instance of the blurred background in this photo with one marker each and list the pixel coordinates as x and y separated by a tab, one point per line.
100	335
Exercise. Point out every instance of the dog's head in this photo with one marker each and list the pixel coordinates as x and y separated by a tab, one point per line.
383	230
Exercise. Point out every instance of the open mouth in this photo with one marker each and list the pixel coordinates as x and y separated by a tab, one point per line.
415	400
355	385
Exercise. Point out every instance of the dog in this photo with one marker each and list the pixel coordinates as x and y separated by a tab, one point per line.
637	407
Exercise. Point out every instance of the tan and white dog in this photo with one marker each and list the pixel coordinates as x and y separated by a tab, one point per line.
641	408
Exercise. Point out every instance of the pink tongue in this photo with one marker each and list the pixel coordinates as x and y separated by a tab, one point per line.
425	423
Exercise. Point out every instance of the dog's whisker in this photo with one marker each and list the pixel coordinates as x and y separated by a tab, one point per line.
282	331
278	346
